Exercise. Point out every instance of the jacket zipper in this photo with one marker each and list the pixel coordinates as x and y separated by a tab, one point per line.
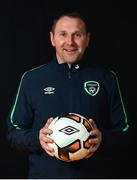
70	90
69	75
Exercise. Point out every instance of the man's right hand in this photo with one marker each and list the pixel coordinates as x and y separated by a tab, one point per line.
44	140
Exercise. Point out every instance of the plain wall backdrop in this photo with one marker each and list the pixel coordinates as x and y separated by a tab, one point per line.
25	44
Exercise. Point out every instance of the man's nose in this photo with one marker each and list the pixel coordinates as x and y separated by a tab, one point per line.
70	40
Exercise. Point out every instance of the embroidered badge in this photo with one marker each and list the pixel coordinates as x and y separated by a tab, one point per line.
49	90
91	87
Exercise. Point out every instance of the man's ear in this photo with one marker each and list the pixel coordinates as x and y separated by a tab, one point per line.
52	39
88	38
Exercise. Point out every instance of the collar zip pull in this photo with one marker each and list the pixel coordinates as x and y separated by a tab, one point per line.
76	66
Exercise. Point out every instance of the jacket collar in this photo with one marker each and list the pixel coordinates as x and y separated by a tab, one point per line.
75	67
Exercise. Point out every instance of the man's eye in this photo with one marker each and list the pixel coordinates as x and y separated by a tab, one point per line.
77	34
63	34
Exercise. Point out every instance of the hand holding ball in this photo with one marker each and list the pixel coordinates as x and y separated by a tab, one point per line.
71	134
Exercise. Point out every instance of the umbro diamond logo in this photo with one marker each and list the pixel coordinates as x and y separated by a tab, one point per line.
69	130
49	90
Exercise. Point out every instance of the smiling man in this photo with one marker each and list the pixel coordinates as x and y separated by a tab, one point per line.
70	39
67	85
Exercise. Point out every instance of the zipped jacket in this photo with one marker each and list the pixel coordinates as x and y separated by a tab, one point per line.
55	89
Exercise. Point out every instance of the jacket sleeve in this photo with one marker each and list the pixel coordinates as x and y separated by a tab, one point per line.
20	134
116	137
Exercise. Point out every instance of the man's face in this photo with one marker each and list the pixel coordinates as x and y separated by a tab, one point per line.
69	39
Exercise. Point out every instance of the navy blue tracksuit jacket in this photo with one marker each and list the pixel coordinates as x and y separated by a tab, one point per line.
54	89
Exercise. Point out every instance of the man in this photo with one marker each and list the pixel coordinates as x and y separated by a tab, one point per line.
66	84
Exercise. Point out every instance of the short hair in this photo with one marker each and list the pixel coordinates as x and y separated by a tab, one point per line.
71	15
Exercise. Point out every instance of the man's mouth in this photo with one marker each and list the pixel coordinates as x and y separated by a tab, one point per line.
70	50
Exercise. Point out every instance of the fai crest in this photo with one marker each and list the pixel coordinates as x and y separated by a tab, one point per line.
91	87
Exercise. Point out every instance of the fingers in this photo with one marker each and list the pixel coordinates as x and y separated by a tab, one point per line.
44	139
48	122
92	150
95	140
96	135
47	148
93	123
89	155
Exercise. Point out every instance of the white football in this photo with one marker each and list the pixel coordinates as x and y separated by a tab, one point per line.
70	134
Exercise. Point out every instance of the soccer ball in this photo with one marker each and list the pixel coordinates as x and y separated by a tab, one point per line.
71	134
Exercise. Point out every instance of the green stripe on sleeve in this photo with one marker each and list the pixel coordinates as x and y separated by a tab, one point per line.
14	106
126	119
